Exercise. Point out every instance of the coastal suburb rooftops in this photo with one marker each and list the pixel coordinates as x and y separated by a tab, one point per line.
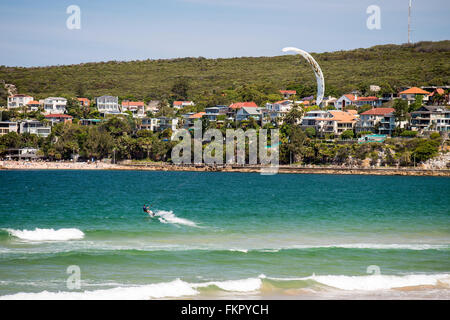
371	98
239	105
415	90
342	116
197	115
288	91
59	116
133	103
378	111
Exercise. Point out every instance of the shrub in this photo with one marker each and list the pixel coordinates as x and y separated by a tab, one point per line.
409	134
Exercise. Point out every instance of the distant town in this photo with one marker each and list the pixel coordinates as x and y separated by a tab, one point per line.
413	112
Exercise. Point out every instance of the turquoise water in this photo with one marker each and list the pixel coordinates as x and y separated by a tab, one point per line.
223	235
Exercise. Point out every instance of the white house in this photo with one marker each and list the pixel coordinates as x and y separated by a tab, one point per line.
55	105
35	127
8	126
18	100
182	104
377	119
108	105
279	109
137	108
345	100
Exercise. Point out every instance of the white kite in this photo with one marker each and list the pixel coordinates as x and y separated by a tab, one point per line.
317	72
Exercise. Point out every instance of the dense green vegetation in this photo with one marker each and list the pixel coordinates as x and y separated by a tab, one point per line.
219	81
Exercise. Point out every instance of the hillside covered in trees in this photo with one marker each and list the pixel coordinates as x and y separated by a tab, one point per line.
390	66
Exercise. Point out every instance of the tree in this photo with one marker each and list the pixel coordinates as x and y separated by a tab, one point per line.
180	89
401	110
79	91
417	103
310	132
294	115
347	134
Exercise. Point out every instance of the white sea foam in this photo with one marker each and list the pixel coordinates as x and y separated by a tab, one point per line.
47	234
176	288
406	246
238	250
180	288
173	289
170	217
379	282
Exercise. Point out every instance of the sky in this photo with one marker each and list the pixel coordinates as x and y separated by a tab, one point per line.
35	32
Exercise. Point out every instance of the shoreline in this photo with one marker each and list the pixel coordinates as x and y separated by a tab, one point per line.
283	169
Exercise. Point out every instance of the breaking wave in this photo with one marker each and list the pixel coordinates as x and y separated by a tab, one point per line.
180	288
47	234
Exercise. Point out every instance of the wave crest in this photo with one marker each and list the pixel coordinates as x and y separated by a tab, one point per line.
47	234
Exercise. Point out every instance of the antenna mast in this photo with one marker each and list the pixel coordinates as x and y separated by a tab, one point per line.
409	22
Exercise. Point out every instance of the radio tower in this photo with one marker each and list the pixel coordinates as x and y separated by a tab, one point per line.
409	22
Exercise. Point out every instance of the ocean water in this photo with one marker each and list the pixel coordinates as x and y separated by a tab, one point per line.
223	235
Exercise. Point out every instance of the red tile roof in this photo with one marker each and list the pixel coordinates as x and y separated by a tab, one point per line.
197	115
132	104
180	103
33	102
378	111
350	96
58	116
288	92
239	105
414	90
371	98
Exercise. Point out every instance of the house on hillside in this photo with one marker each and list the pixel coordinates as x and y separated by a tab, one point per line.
234	107
137	108
410	94
439	97
212	113
245	113
59	118
55	105
108	105
279	109
85	102
355	100
288	93
35	127
33	105
345	100
182	104
378	120
329	122
18	101
431	118
372	101
8	126
152	106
